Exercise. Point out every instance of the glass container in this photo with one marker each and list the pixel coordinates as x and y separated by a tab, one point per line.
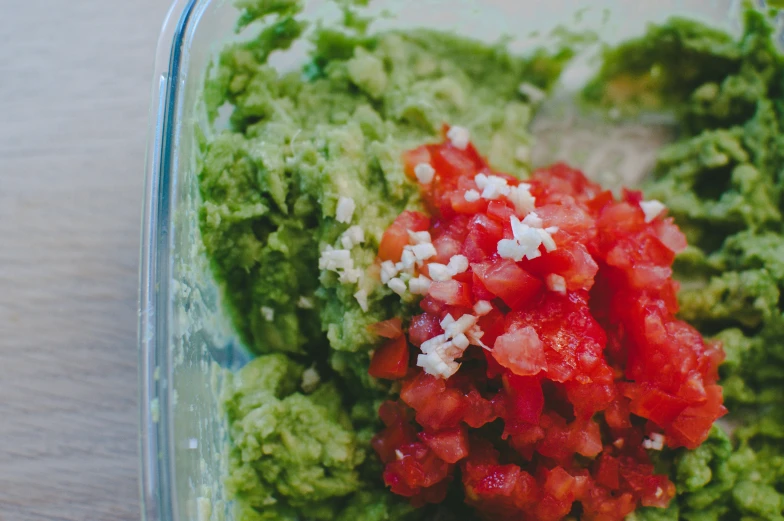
185	338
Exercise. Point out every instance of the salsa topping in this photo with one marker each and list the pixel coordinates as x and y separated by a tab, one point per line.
547	358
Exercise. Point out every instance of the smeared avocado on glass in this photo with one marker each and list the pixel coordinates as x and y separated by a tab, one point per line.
723	181
272	185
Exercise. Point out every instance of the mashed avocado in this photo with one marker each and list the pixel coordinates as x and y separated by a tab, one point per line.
723	181
297	142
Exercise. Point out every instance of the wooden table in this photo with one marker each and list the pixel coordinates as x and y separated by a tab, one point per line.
75	81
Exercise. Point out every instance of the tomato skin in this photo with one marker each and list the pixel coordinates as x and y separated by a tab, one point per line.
579	371
390	361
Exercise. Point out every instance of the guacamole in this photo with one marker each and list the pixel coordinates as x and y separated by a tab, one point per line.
722	181
310	162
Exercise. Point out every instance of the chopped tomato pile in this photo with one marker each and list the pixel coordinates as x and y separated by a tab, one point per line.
547	359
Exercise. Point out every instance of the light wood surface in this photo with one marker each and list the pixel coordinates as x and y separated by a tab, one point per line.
75	79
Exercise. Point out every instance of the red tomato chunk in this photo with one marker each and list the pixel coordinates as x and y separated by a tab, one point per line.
570	345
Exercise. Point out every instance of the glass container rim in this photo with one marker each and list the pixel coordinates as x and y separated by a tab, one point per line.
156	471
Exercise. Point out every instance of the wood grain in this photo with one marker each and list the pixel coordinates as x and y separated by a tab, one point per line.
75	81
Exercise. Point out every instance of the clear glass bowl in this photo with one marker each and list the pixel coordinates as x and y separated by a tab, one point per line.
185	338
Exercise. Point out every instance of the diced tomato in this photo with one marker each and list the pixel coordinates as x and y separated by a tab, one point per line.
556	443
572	261
620	219
446	247
396	237
392	413
420	389
591	396
445	412
632	196
658	493
451	445
414	157
714	357
559	494
578	378
501	490
656	405
525	438
586	438
693	424
571	219
394	240
390	361
559	181
480	411
599	505
391	328
508	281
480	292
461	205
432	306
524	402
492	325
565	327
451	293
617	414
487	481
607	471
500	211
559	483
454	163
601	200
424	327
521	352
670	235
398	431
482	239
418	468
386	442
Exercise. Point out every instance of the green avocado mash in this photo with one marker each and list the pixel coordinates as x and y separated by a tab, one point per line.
297	142
723	181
